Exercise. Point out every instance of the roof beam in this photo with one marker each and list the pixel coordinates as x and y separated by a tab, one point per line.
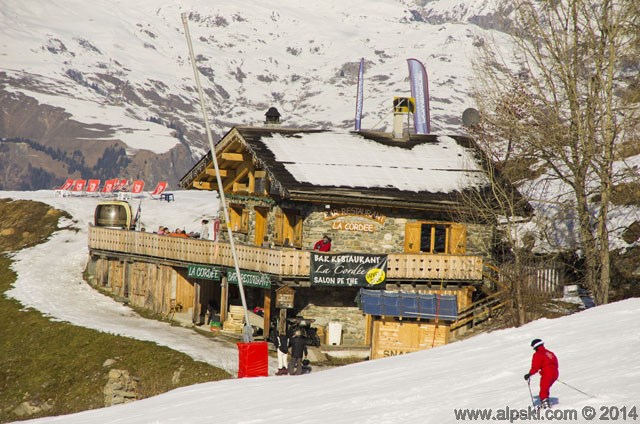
233	157
240	173
223	172
203	185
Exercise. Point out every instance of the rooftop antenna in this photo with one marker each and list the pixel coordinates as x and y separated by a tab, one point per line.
247	332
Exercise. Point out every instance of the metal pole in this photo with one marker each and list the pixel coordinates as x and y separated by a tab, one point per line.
247	333
533	402
577	390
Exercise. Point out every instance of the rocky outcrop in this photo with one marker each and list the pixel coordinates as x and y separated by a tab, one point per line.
42	146
121	388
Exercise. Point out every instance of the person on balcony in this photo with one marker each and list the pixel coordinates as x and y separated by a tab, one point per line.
204	231
323	245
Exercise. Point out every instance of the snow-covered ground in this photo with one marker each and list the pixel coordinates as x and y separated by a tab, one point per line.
597	349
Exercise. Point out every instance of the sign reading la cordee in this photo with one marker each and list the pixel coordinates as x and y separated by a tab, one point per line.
204	272
348	269
251	279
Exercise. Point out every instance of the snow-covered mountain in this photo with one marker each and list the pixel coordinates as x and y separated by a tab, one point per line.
90	75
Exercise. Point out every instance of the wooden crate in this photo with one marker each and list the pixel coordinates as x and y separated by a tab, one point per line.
392	337
235	320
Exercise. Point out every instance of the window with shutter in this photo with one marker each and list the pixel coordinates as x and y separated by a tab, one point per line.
435	237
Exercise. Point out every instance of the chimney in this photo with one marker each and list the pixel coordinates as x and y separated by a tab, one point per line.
273	117
402	106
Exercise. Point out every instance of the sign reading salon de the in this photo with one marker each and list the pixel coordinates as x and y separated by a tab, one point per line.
347	269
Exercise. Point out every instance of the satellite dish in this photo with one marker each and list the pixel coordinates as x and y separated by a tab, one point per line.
470	117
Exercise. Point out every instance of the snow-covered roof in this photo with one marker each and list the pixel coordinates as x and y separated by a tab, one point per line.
436	164
422	169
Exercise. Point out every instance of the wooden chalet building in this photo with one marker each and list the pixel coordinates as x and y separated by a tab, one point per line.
371	194
392	207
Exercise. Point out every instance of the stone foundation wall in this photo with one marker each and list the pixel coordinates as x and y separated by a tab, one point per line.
351	318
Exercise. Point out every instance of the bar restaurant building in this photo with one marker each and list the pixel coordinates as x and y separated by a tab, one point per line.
405	262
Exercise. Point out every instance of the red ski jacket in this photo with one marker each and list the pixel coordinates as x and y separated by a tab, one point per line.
544	361
322	246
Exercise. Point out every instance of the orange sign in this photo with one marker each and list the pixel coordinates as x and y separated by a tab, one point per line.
354	226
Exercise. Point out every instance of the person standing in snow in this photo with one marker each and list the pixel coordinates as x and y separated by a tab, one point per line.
545	362
323	245
282	347
298	347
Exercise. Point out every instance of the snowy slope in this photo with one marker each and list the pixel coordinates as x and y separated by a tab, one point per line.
597	350
119	63
424	387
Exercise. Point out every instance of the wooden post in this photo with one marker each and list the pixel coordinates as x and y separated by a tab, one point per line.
195	318
368	329
267	313
282	324
224	298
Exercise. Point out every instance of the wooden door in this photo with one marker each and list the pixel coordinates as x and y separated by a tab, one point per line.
412	237
261	225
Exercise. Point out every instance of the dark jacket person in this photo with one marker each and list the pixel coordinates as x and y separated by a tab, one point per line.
298	348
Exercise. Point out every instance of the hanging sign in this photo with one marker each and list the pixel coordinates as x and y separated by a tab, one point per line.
285	297
250	279
204	272
348	269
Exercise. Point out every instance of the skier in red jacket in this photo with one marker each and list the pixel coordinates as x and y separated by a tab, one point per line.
546	363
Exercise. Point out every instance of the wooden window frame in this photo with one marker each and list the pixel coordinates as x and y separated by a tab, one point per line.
454	243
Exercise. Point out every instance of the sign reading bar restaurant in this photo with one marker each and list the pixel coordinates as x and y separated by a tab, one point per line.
250	279
347	269
371	214
203	271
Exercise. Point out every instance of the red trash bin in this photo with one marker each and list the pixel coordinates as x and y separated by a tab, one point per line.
253	359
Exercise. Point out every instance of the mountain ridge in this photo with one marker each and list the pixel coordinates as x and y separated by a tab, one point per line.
122	74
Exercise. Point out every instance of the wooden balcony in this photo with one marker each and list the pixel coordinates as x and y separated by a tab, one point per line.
282	262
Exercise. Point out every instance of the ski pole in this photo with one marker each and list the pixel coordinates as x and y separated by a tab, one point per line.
577	390
533	402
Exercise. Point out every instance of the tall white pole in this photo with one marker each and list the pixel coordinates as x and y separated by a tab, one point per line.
247	332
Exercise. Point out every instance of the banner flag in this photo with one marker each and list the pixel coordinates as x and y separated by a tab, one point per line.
420	92
359	98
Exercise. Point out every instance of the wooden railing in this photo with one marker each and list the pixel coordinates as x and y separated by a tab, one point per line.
279	261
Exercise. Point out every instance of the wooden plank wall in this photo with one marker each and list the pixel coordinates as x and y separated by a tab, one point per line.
149	284
392	338
185	292
116	277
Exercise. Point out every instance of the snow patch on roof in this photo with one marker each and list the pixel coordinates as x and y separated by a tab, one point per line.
342	159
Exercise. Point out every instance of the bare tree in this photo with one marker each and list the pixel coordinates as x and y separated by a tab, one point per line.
503	207
564	112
